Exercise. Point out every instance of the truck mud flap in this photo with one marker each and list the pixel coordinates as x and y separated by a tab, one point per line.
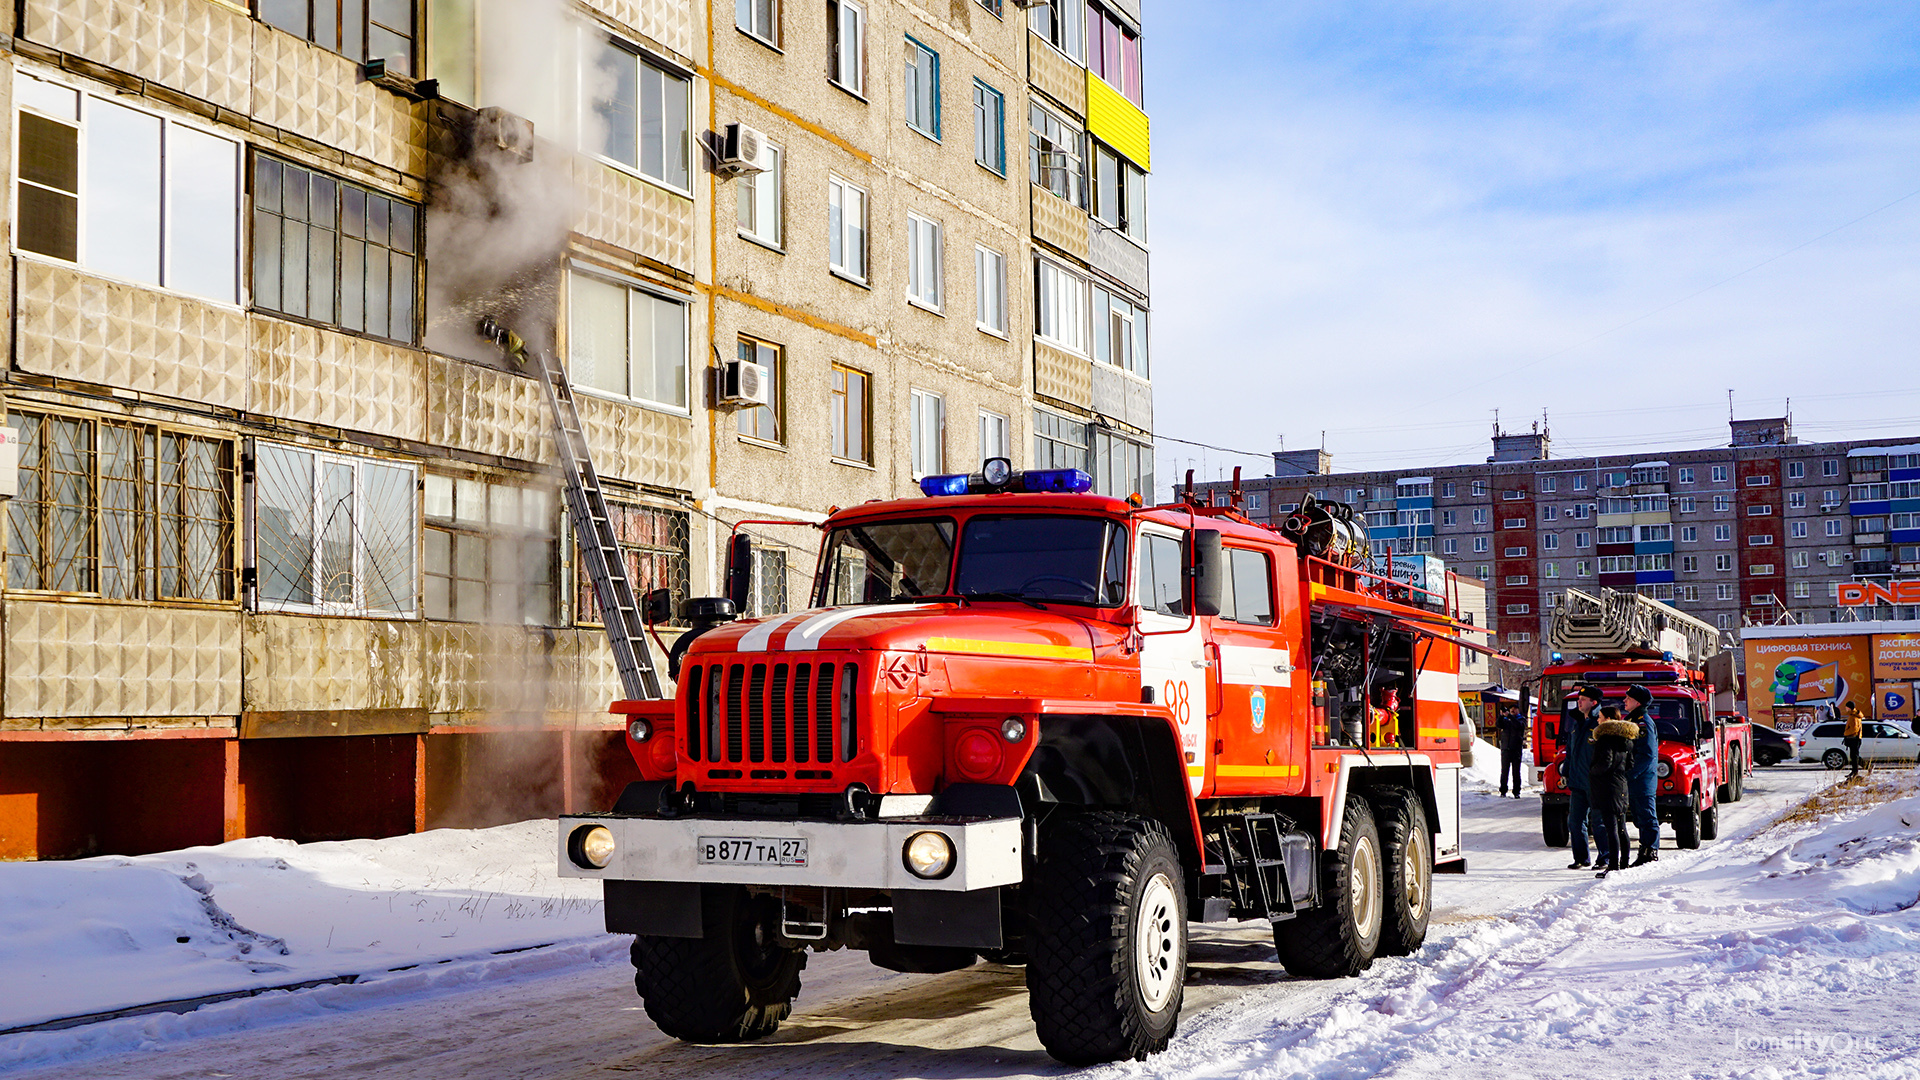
966	919
654	908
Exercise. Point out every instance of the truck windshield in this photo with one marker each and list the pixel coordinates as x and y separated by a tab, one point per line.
887	560
1673	715
1074	560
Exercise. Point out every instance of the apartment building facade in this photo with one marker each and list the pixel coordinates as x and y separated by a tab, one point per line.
1762	530
288	554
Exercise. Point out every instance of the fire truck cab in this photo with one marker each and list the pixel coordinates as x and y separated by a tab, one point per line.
1033	725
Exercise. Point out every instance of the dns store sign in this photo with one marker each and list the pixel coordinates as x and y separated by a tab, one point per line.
1860	593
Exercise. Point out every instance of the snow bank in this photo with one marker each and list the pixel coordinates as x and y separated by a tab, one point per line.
1869	863
103	934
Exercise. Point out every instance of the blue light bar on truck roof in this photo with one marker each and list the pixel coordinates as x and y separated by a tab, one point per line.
1058	481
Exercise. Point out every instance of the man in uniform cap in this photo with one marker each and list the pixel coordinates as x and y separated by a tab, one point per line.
1642	776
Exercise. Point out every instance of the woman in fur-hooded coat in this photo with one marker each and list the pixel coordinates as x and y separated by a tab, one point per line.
1607	780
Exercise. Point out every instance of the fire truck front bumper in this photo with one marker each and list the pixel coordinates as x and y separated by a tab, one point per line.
925	853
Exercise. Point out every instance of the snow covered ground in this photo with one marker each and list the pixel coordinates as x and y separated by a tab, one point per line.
1780	950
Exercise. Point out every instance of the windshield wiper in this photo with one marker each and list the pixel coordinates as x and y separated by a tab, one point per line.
1022	598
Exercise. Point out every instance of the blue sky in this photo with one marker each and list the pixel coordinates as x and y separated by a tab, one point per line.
1386	220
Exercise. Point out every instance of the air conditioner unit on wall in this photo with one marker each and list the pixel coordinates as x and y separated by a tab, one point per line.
741	151
745	383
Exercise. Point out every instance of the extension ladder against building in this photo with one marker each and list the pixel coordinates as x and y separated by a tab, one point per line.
592	523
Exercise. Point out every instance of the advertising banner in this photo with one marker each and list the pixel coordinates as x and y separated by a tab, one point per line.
1893	701
1896	657
1818	672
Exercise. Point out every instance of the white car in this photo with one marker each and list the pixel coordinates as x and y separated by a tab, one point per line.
1879	741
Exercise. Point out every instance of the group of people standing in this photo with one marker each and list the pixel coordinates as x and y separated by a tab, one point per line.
1609	761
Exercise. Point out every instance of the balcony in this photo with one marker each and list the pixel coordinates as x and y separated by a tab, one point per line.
1869	569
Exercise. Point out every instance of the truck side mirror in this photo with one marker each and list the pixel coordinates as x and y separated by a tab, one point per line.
740	570
1209	572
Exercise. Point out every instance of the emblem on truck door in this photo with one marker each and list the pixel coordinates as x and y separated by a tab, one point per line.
1257	705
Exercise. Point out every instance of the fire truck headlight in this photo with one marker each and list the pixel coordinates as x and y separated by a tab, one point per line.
1014	729
1666	770
591	847
639	731
929	855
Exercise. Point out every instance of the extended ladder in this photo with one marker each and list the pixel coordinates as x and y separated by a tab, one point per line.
592	524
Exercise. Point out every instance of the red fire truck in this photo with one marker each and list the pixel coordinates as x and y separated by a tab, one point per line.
1030	724
1622	639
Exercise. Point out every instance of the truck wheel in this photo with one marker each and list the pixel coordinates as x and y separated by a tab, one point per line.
1408	847
1710	823
1686	825
1107	945
1739	782
1340	937
732	985
1553	825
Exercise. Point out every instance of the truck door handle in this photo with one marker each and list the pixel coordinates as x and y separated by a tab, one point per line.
1199	663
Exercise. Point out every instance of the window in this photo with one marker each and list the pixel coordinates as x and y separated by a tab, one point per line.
1616	564
1479	515
760	195
1519	609
1119	193
1760	540
1796	500
1483	571
1060	306
846	229
1058	442
1548	483
1723	621
993	6
1450	546
1689	534
1119	331
1513	523
1582	568
121	510
927	424
1449	517
332	533
1062	23
761	18
1513	495
768	594
989	127
1830	467
332	252
1121	466
1867	492
1549	513
1479	544
994	442
1550	542
489	552
1723	532
1796	470
1520	637
1113	52
1516	579
1550	570
1479	487
1446	490
1802	590
1651	534
1662	591
1723	562
654	544
1722	503
381	30
1690	564
1686	475
126	193
990	290
1582	539
851	398
1686	504
1689	592
925	259
922	87
1719	474
1869	524
1798	560
1759	480
1516	553
643	116
1653	562
1249	596
1581	511
1797	530
1829	497
1580	483
625	341
765	421
847	45
1835	527
1056	155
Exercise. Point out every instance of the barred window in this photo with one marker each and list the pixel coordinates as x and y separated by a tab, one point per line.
769	582
490	552
122	510
332	534
654	542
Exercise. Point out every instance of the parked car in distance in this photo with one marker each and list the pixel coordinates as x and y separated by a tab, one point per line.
1879	741
1771	747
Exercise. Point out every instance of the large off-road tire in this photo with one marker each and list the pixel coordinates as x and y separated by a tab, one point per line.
1341	936
1739	781
732	985
1107	938
1407	858
1686	825
1553	825
1710	823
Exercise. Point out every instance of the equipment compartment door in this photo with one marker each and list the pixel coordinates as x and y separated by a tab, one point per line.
1173	663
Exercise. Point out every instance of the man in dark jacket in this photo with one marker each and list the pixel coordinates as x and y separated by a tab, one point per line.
1643	776
1512	725
1576	756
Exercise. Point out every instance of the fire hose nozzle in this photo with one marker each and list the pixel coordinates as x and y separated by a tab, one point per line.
500	335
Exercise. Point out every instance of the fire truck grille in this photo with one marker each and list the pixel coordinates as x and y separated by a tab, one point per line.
772	713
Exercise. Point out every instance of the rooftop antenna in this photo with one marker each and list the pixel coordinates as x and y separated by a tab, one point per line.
1323	438
1729	405
1496	423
